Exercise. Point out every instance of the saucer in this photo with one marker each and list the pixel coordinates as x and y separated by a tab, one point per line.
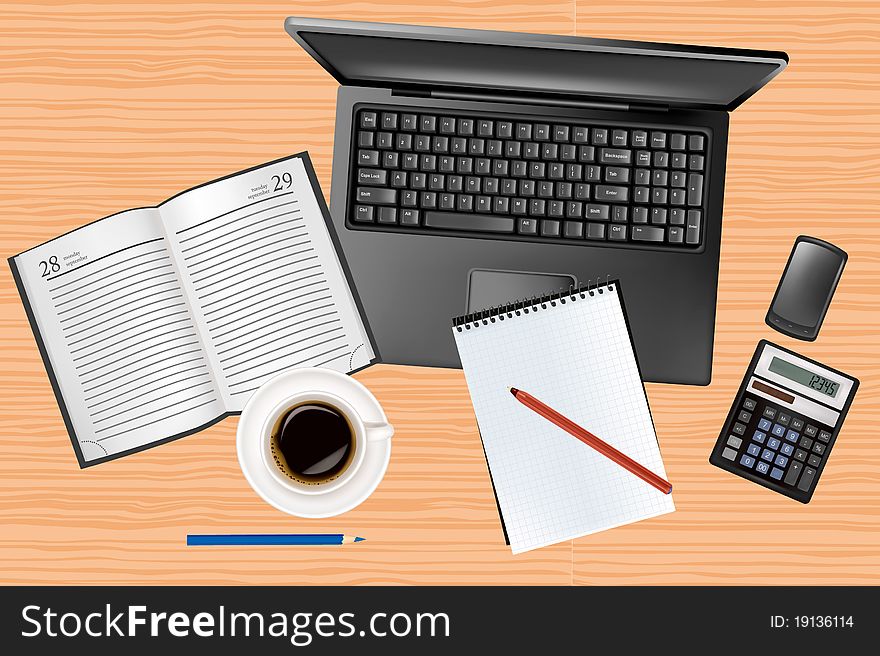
315	506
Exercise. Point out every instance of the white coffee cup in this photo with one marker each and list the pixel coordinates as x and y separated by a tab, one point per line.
364	433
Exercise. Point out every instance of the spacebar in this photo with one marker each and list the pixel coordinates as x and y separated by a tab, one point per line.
475	222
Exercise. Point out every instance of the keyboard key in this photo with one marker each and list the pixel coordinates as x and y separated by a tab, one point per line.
762	467
469	222
363	214
595	231
447	125
640	215
549	228
806	481
524	131
574	229
619	138
600	137
560	133
505	130
759	437
793	472
640	139
365	139
677	142
814	460
527	226
619	213
617	232
542	132
696	142
776	473
747	461
465	127
409	122
376	196
409	217
658	140
376	177
389	121
368	157
429	123
695	189
612	193
695	162
694	218
580	135
597	212
387	215
647	233
658	215
368	120
615	156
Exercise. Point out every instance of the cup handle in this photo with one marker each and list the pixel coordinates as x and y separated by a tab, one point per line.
377	431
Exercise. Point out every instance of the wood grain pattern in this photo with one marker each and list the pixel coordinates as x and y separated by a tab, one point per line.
110	106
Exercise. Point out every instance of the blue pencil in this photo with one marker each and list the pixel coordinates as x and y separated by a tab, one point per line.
277	539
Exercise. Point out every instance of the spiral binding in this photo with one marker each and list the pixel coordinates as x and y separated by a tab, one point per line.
534	304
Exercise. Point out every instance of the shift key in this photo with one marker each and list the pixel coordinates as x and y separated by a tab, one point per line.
376	196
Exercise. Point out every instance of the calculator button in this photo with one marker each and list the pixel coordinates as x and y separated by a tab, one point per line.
811	431
806	442
793	473
781	461
819	448
807	479
778	430
729	453
747	461
753	450
767	455
787	449
800	454
776	473
759	437
764	425
770	412
763	467
797	424
750	404
734	441
792	436
739	429
744	416
783	418
814	460
773	443
824	436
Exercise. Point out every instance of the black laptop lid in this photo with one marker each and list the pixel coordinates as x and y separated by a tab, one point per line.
444	59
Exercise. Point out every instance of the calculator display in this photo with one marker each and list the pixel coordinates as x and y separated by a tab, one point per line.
805	377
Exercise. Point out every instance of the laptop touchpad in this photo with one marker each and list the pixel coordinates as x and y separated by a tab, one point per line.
491	287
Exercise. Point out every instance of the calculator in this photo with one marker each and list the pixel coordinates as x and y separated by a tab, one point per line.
784	421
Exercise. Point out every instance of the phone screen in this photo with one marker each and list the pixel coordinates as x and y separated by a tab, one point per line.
808	282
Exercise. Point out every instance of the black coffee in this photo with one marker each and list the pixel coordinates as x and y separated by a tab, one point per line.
313	443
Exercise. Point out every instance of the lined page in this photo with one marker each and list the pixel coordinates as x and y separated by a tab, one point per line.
576	357
264	278
119	334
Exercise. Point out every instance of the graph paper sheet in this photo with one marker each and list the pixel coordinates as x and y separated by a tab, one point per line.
577	357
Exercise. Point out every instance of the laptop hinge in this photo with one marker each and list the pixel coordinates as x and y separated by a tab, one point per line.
520	99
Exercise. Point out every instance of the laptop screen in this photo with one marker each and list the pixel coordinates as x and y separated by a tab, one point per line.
617	70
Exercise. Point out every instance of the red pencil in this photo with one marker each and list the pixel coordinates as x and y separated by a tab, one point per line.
591	440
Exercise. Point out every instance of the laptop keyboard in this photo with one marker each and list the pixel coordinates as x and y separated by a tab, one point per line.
489	176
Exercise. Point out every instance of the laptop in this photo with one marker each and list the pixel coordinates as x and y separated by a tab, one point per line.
545	158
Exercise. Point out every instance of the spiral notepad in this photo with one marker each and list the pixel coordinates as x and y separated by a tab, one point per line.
573	351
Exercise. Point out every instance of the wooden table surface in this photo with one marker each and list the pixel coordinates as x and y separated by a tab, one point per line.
109	106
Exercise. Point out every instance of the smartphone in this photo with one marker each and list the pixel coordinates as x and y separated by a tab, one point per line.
806	288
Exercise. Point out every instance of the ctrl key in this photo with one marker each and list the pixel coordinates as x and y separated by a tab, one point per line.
363	214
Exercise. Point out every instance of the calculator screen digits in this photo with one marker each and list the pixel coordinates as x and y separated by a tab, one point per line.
804	377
